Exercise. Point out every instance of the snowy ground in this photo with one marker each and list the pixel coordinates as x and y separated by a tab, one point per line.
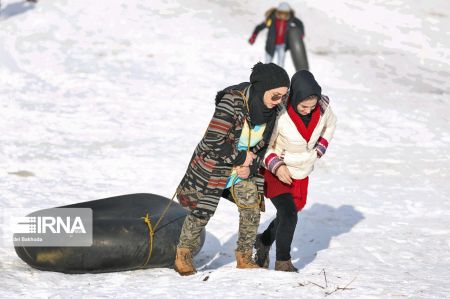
102	98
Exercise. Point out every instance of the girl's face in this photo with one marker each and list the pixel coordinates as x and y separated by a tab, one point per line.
283	15
275	96
305	107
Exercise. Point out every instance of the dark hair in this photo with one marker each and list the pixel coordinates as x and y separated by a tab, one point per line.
311	97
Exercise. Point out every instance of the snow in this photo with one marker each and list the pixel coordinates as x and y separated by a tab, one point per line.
102	98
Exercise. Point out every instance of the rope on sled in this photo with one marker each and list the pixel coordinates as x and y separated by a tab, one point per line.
152	229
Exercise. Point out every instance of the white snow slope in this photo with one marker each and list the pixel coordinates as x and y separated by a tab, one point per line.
102	98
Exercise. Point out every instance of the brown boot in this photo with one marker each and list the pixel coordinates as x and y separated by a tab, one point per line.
244	260
183	262
285	266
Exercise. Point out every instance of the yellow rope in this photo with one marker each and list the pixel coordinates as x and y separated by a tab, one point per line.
152	229
151	233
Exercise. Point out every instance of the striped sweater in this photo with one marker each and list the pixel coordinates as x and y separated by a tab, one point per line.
214	157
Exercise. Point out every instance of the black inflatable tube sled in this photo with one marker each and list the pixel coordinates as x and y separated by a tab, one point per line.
121	239
297	48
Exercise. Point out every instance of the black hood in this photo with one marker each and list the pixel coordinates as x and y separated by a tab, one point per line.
241	87
264	77
259	113
303	85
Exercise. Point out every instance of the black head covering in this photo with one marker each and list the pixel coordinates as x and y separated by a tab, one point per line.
303	85
264	77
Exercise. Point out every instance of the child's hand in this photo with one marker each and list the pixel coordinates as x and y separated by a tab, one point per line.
284	175
252	39
249	159
243	171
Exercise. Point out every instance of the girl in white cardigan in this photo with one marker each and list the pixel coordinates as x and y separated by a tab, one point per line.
300	137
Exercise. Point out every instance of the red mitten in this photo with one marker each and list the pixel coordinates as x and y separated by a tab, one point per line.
252	39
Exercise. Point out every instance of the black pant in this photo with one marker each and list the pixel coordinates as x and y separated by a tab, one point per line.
282	228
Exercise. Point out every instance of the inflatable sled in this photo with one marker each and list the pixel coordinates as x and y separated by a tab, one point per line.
121	237
297	48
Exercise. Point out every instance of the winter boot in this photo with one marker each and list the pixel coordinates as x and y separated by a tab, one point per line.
244	260
285	266
183	262
262	252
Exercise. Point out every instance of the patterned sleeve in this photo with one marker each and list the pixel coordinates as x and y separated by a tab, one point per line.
218	129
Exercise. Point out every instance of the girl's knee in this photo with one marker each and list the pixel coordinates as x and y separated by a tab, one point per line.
290	215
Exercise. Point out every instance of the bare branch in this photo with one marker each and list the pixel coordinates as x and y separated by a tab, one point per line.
317	284
350	282
338	288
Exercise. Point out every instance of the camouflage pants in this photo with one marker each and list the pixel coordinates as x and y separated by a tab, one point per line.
190	232
246	198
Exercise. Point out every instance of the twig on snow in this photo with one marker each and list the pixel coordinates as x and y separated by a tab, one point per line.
325	276
338	288
322	287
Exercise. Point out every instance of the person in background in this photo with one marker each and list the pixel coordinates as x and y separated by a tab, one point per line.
278	20
300	137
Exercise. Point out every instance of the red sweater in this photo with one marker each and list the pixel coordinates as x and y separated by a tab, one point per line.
280	27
